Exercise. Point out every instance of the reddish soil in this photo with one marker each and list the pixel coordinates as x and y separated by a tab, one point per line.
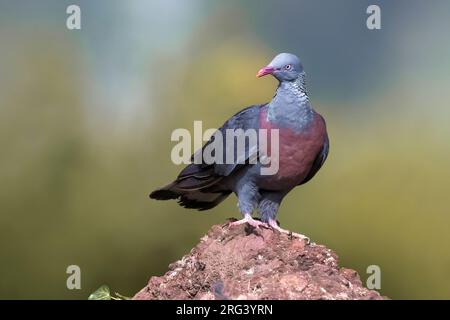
244	263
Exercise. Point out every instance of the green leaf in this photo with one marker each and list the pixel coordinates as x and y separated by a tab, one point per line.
101	293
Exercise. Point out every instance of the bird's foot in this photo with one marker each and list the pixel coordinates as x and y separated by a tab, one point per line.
274	225
248	219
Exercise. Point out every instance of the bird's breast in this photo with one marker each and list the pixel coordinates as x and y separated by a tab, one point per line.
296	152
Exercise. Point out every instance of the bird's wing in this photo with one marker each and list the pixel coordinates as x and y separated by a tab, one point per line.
318	161
202	175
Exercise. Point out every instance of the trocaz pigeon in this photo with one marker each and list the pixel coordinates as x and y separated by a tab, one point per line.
303	148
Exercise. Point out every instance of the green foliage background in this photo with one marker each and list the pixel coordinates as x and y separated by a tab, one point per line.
86	118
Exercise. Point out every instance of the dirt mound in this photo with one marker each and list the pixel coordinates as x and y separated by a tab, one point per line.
244	263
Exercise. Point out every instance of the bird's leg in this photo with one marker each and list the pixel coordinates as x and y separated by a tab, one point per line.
248	219
273	223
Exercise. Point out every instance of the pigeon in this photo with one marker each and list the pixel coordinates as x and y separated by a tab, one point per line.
303	147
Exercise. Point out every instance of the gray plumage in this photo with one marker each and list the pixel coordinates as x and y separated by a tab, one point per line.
303	150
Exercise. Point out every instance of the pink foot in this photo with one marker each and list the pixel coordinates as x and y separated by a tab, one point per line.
273	223
248	219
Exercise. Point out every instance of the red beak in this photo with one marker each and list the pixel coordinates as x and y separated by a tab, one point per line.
265	71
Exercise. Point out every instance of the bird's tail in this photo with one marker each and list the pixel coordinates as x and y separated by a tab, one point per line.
193	199
164	193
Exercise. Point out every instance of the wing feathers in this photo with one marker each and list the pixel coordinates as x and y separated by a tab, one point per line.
193	185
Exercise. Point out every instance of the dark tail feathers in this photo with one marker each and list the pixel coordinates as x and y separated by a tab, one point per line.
164	193
194	199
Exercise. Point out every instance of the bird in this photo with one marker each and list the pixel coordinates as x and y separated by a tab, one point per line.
303	145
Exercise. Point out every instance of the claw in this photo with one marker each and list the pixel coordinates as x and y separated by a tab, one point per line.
248	219
273	223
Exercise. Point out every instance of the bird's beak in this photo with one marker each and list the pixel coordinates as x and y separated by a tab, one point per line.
265	71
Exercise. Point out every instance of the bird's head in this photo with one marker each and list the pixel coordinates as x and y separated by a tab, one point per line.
284	67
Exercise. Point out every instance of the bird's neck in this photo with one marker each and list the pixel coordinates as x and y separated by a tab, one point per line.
296	88
290	106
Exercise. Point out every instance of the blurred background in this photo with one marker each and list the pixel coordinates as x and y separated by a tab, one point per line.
86	117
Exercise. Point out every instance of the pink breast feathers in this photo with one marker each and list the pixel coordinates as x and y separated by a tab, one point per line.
297	150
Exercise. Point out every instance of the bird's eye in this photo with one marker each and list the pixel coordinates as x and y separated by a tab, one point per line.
288	67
